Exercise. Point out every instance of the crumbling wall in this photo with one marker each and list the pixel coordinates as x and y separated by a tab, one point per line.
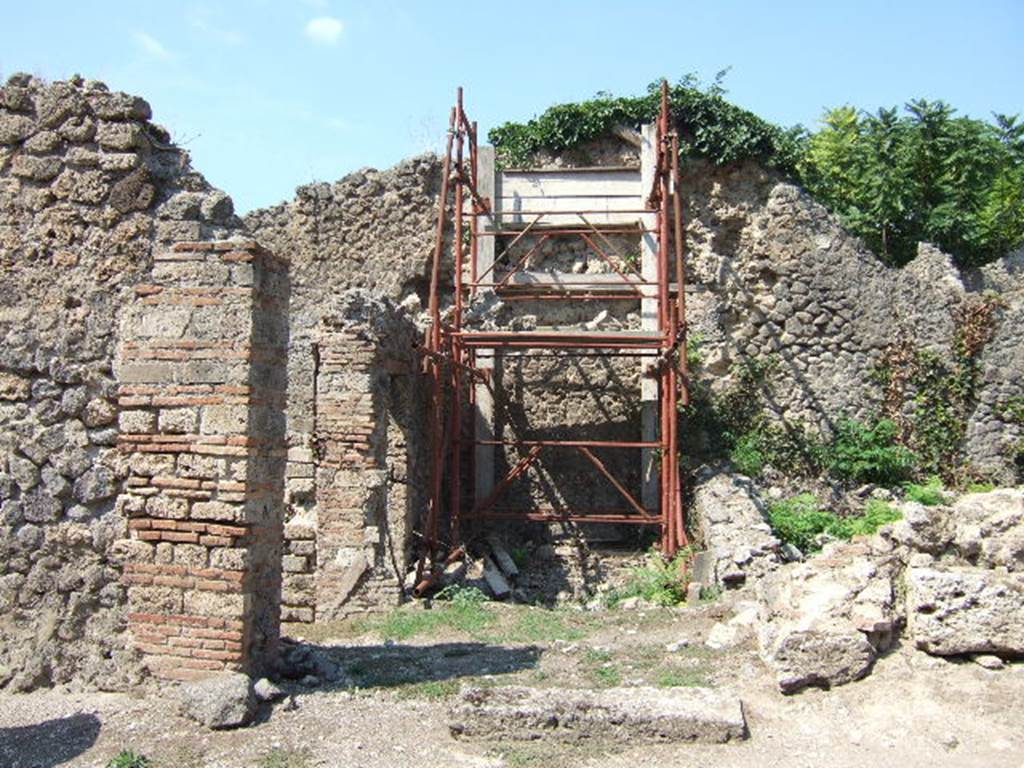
775	274
371	230
89	188
371	448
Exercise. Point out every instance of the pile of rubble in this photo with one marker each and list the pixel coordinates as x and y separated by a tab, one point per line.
948	579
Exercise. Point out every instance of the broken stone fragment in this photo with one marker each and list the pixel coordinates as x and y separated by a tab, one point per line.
225	700
959	610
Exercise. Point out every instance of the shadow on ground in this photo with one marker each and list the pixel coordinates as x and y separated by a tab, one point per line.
49	743
395	665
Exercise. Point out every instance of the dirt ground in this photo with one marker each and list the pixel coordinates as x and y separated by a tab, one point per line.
401	670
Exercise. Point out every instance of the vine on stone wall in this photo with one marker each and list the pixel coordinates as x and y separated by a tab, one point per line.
930	396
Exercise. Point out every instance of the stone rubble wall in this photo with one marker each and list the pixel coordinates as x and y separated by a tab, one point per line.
775	274
89	190
201	393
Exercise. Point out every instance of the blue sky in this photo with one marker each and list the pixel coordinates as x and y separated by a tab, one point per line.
270	94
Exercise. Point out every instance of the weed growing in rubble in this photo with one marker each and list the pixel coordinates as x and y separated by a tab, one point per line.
660	582
126	758
870	453
285	758
801	521
931	493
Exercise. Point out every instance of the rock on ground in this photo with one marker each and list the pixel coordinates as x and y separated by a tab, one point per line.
955	610
223	701
823	622
623	715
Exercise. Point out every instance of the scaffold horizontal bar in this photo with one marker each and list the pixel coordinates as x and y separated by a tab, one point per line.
577	443
572	516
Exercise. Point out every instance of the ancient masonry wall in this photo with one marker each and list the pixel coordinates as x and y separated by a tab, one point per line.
89	186
201	393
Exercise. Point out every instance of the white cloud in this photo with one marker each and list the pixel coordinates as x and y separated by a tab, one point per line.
202	20
151	46
324	30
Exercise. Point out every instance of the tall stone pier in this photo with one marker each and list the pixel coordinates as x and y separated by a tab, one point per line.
202	381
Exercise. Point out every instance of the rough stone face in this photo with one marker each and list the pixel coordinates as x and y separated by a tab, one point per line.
823	622
989	528
623	715
730	518
78	227
957	610
224	701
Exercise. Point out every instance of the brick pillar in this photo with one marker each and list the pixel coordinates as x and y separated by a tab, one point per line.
202	382
351	475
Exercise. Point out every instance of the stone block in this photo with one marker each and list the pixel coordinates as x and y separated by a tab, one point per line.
167	507
178	420
231	559
958	610
225	419
216	510
14	387
614	715
190	555
118	136
136	422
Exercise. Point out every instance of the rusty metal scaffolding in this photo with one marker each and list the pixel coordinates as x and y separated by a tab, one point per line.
451	350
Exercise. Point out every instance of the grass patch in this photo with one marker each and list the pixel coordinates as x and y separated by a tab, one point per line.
279	757
543	753
930	493
541	625
429	689
464	610
184	756
981	487
600	669
696	677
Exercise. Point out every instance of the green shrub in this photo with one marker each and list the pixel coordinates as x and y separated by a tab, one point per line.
869	453
126	758
746	455
930	493
709	126
799	520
